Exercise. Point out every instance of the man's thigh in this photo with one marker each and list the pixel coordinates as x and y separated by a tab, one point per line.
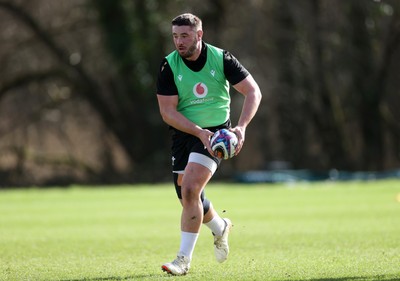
195	178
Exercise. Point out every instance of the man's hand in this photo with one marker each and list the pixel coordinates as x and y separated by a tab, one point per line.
205	136
240	133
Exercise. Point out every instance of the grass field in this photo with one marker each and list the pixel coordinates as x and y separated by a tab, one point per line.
319	231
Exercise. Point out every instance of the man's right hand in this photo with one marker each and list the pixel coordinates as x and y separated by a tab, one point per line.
205	136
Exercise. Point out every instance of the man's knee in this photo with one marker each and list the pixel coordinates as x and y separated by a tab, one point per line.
206	203
190	193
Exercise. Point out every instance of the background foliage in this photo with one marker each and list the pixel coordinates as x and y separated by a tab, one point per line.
77	86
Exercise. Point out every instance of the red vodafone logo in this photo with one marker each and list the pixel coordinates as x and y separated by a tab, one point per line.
200	90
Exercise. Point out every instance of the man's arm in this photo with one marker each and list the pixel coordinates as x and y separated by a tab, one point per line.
248	87
172	117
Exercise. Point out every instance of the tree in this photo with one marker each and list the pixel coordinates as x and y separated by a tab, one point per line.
125	100
77	94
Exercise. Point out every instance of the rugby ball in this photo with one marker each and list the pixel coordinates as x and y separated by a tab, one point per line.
223	143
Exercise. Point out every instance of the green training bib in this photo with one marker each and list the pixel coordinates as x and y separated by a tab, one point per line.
203	96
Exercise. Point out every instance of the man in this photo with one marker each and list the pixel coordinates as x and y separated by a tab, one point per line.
193	97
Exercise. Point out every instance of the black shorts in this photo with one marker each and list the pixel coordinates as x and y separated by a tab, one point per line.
184	144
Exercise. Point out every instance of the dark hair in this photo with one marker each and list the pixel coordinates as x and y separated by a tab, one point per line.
189	20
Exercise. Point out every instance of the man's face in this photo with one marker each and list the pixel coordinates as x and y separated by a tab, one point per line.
186	40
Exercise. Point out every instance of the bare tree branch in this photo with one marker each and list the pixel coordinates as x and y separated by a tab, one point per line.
27	78
24	17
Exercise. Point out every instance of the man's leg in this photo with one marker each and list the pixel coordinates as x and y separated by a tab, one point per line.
213	221
197	210
211	213
194	180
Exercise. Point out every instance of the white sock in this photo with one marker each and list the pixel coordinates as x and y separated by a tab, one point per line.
188	241
217	225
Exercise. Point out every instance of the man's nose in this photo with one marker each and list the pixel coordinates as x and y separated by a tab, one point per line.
179	41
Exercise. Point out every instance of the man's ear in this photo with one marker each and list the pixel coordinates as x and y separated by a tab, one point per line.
200	34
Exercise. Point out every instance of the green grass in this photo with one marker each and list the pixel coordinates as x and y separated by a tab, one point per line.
319	231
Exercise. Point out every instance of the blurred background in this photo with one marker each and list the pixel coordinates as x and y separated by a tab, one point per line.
78	96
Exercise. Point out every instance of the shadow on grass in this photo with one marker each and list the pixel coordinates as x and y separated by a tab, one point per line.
359	278
139	277
116	278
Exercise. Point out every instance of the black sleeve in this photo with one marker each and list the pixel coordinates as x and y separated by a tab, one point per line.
234	71
165	80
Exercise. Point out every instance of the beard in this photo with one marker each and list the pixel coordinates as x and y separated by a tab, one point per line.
191	50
